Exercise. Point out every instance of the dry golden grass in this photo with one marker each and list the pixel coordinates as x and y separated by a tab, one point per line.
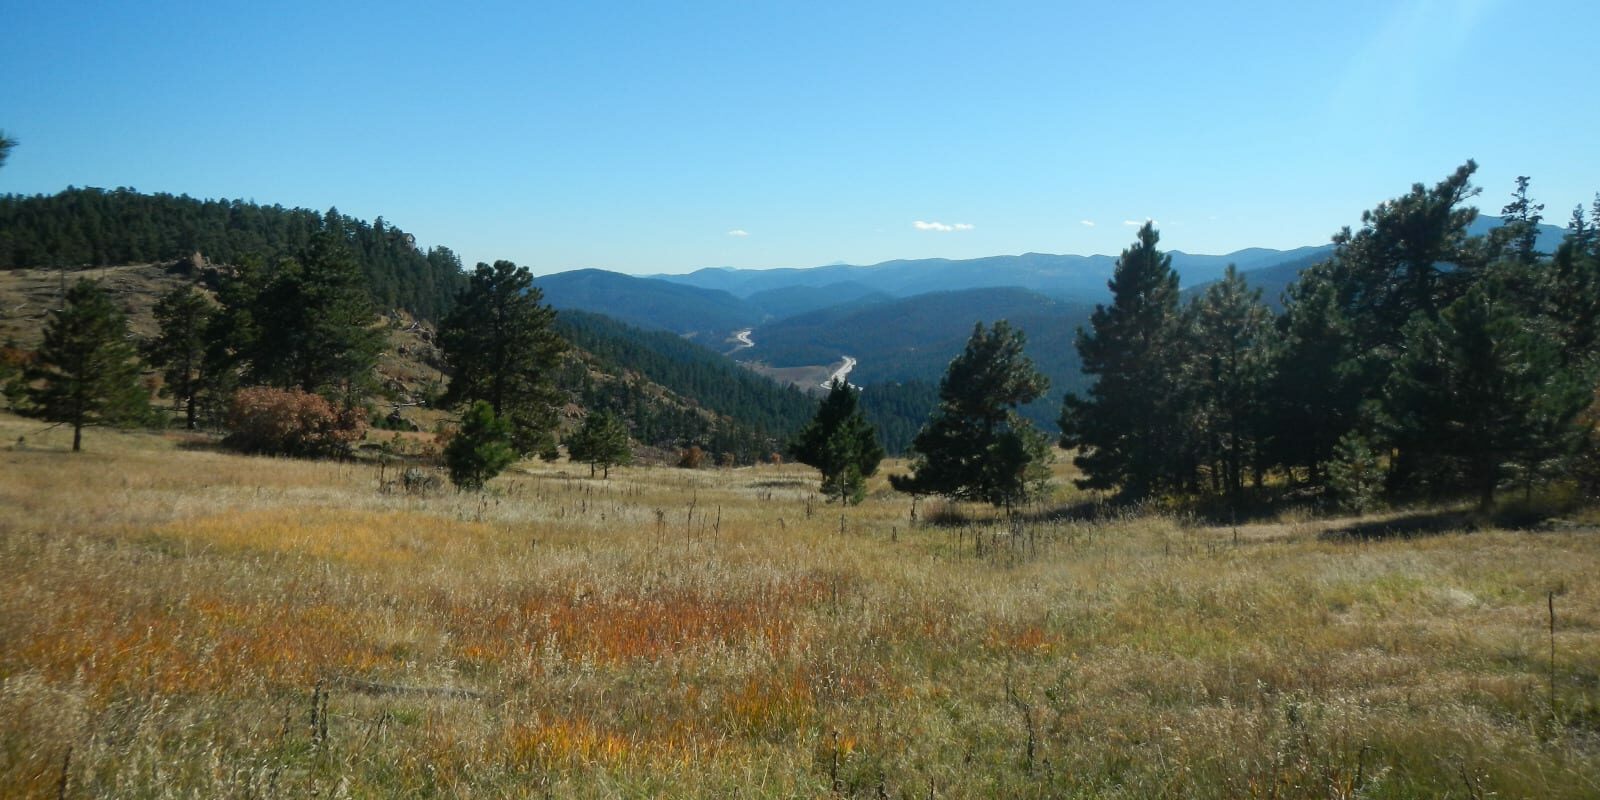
180	622
28	295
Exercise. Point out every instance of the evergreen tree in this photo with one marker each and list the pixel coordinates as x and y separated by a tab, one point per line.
1479	392
86	372
1131	430
314	325
179	350
975	446
1315	391
480	449
1354	474
6	143
601	442
1227	379
1575	290
840	443
1517	238
503	350
1411	258
1412	255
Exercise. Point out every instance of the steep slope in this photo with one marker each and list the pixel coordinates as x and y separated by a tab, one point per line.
690	371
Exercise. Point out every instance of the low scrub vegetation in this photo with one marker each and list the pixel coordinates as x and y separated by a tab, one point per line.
181	620
290	422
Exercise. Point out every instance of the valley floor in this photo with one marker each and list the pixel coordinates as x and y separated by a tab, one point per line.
176	621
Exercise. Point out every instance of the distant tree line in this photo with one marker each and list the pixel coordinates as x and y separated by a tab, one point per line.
897	411
99	227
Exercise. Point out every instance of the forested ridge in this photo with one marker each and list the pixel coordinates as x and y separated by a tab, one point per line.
1418	360
82	227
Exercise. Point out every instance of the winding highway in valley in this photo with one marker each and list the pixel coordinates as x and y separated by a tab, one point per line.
842	373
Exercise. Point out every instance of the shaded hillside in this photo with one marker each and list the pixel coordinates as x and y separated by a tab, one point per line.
97	227
690	371
1273	280
913	340
897	411
791	300
711	315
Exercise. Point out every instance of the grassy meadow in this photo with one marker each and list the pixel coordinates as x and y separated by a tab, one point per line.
180	622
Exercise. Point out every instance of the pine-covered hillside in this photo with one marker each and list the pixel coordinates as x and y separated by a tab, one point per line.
102	228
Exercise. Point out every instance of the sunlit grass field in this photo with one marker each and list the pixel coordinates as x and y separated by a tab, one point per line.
175	621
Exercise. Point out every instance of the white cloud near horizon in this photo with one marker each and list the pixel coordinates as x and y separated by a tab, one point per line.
942	227
1087	223
1137	223
739	232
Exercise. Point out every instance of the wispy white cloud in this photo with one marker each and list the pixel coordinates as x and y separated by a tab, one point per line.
1134	223
1087	223
942	227
739	232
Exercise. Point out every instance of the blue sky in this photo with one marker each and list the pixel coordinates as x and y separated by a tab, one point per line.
664	137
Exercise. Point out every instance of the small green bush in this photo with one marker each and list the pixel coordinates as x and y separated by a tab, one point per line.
480	450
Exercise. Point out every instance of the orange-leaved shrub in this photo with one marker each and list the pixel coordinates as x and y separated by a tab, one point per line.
692	457
291	422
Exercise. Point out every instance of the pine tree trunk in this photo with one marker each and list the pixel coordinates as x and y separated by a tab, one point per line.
77	436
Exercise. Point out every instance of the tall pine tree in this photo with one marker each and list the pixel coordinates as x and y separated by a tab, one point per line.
503	349
976	446
87	371
1227	379
1131	430
314	325
1315	391
1478	392
179	350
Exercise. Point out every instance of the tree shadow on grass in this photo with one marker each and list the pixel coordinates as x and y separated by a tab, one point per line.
781	483
1416	525
1511	516
944	514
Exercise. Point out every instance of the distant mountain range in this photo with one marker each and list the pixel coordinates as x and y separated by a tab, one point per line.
1068	277
904	320
709	304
